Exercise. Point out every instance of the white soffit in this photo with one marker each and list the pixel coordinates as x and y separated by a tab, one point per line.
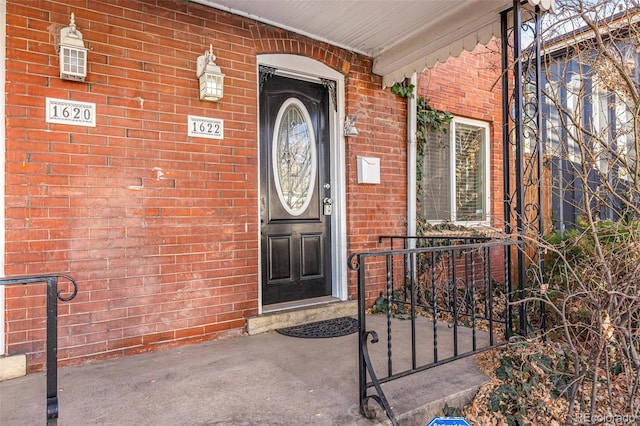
446	37
402	36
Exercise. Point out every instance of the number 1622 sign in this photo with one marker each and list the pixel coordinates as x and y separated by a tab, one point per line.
205	127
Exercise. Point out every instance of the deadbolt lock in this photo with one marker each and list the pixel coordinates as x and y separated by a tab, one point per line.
327	206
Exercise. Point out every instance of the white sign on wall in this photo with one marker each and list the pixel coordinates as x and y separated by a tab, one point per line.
63	111
205	127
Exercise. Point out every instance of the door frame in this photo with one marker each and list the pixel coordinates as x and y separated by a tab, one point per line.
303	68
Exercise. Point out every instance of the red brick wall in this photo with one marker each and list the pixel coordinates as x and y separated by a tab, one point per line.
375	210
160	230
469	86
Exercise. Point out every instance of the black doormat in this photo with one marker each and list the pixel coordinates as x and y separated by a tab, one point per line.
322	329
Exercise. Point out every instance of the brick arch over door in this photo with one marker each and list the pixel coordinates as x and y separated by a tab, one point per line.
269	39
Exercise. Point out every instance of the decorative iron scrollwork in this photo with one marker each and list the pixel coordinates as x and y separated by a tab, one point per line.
380	398
265	74
524	196
73	293
331	87
353	262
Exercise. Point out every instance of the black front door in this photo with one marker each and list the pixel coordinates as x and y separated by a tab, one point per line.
295	200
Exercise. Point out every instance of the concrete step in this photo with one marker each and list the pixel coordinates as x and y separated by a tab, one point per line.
285	315
12	366
420	415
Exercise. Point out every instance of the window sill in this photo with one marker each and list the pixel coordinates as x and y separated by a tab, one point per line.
462	229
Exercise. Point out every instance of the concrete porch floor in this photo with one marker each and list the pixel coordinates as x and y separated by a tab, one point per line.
264	379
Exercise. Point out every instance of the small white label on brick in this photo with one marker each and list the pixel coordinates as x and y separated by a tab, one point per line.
205	127
63	111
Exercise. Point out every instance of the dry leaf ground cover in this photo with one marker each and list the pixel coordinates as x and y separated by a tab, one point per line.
532	383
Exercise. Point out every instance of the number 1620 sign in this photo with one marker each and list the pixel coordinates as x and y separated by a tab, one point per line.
63	111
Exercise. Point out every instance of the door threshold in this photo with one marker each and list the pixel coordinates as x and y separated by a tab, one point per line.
288	314
284	306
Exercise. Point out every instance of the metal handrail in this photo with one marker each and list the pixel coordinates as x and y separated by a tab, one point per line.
53	295
358	262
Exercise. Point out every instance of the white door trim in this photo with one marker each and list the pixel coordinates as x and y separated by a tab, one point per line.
301	67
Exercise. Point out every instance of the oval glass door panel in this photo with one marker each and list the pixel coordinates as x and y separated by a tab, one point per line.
294	157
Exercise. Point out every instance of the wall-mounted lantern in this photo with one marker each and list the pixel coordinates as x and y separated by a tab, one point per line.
210	77
349	128
72	53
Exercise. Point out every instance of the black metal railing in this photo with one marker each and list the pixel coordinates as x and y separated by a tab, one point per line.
53	295
431	240
452	290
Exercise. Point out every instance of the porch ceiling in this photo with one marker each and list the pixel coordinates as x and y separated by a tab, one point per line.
402	36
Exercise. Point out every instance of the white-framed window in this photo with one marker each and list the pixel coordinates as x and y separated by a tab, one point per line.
454	177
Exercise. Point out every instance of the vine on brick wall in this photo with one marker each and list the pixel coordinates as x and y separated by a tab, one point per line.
404	89
430	122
